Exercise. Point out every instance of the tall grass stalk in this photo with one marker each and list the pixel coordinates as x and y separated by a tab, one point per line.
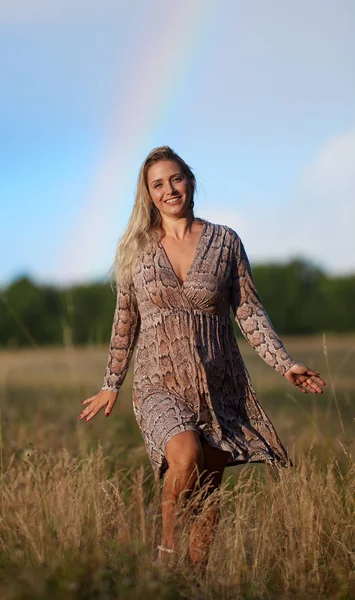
293	533
80	512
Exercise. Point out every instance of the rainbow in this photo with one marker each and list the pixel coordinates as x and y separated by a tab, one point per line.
156	73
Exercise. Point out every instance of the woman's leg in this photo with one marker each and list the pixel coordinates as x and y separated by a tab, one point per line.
205	525
185	458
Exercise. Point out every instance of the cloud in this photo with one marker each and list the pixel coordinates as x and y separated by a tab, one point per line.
316	222
325	201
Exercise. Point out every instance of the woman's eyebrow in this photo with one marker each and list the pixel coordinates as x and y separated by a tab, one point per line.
173	175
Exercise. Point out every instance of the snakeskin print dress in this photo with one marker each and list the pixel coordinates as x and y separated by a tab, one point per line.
188	370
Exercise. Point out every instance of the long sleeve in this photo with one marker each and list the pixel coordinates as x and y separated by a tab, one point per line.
251	316
125	328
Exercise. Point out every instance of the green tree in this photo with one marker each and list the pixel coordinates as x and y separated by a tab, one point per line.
30	314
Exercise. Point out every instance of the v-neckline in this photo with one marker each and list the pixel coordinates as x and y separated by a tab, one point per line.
182	284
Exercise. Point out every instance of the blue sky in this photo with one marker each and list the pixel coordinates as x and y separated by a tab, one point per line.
258	97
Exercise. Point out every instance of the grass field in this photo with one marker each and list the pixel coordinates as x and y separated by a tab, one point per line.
80	511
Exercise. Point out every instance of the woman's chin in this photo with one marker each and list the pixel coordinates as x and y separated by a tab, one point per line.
176	210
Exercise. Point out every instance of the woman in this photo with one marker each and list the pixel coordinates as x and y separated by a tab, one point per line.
177	278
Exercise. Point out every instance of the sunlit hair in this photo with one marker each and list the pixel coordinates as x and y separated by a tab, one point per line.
144	225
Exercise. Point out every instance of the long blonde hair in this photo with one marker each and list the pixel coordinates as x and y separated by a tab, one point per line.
144	225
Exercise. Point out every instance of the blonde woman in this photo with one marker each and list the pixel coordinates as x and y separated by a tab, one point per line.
177	278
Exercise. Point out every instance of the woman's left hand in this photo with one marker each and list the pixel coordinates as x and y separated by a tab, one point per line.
305	379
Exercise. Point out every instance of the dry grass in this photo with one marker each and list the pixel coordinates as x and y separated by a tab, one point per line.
80	511
66	523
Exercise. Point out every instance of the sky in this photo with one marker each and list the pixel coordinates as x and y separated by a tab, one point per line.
258	97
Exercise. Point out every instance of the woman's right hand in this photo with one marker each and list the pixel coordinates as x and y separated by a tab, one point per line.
96	403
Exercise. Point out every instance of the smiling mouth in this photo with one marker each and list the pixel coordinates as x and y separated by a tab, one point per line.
172	200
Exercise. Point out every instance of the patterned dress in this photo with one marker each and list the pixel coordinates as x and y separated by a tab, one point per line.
188	371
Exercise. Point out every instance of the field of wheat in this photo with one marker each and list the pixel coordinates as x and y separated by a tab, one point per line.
80	511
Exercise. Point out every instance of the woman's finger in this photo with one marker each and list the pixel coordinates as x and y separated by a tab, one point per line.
91	415
312	386
317	385
299	384
92	407
109	407
316	377
319	381
84	413
88	400
94	410
310	389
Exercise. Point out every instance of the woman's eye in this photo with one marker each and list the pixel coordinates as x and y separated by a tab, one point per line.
177	179
157	185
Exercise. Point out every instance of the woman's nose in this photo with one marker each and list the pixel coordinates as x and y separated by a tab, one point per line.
169	188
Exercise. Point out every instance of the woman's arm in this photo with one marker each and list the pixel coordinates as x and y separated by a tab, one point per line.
257	328
250	314
125	328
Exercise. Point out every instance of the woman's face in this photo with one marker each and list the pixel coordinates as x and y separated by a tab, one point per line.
169	188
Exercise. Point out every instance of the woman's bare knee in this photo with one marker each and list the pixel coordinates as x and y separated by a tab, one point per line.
184	451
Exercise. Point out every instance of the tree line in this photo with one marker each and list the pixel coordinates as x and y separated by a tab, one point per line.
299	297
